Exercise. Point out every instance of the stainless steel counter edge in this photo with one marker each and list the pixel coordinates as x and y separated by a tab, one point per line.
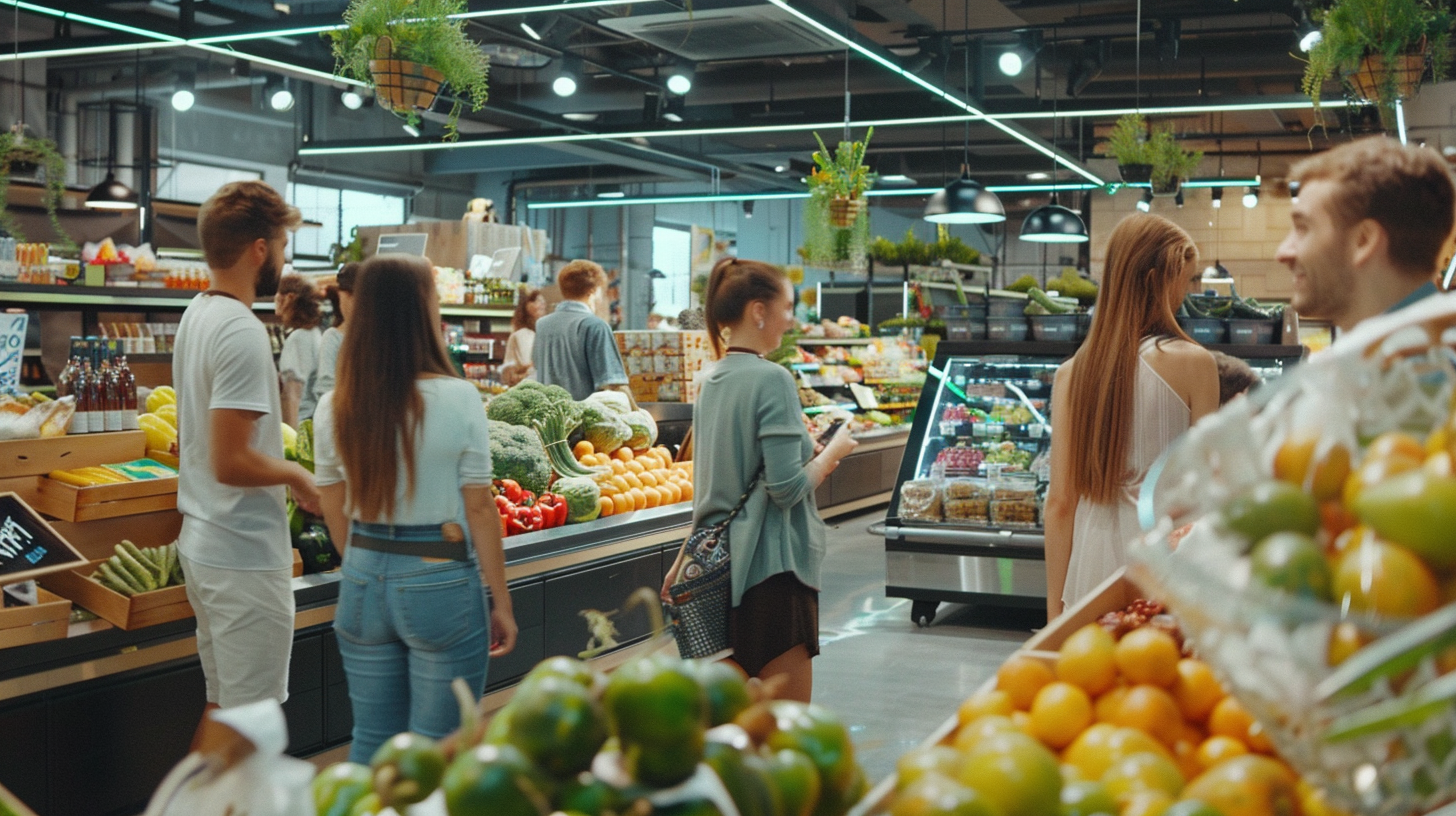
980	538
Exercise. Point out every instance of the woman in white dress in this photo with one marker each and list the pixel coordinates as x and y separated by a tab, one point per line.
1134	386
517	365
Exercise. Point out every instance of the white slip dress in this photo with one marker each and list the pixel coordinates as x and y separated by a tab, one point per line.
1101	532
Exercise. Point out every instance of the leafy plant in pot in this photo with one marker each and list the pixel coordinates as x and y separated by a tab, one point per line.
21	153
1171	164
406	50
1379	49
836	218
1128	143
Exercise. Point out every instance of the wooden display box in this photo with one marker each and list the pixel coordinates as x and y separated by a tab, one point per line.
134	612
37	457
71	503
1112	595
47	620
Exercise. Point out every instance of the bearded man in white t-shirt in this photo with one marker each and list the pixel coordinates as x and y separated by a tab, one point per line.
234	545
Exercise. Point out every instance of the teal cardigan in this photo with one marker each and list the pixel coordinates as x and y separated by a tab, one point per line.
748	414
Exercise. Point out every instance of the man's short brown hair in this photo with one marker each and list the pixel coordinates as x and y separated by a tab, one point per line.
1405	189
238	214
579	279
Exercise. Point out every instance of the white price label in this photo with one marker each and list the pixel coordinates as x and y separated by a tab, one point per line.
12	347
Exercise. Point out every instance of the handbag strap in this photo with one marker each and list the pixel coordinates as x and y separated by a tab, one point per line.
743	500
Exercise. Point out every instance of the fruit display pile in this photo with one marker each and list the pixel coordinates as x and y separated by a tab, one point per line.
638	480
134	570
159	422
1118	726
647	739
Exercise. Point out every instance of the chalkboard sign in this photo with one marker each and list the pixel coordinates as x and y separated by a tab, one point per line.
29	547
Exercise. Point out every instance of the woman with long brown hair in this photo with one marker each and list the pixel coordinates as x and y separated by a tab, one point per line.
404	473
749	440
1135	384
517	365
297	305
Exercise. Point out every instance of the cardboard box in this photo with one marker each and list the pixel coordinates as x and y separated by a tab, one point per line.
72	503
37	457
127	612
47	620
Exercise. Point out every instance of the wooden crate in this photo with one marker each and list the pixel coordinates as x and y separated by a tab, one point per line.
46	620
1111	595
36	457
71	503
297	565
134	612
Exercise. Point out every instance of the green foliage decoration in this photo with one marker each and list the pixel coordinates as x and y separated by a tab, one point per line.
1128	142
17	148
1172	165
1387	30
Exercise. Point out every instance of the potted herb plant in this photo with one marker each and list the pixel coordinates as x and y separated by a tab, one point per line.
19	151
1171	163
1128	143
843	178
1379	49
406	50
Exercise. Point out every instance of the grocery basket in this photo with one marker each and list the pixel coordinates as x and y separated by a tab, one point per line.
1270	649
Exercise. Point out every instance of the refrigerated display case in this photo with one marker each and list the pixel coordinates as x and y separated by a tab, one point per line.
964	523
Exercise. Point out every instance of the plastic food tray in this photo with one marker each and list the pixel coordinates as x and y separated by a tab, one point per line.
1054	327
1006	329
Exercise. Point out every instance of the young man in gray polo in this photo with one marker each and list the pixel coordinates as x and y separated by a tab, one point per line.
574	348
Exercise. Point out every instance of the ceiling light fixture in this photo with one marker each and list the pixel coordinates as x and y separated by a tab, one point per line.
965	201
411	130
1145	204
1052	223
1010	63
610	191
352	99
680	78
276	92
184	96
896	178
1217	198
111	194
674	109
1251	198
530	32
568	76
1038	176
914	192
779	168
748	209
1178	198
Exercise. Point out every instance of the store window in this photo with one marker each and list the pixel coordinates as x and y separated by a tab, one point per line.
339	211
195	183
671	255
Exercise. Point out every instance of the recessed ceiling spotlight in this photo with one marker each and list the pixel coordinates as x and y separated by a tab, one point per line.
568	76
680	78
779	168
352	99
1010	63
1217	198
1251	198
1038	176
275	90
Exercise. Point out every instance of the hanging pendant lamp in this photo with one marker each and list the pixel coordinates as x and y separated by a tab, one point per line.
111	194
964	201
1054	224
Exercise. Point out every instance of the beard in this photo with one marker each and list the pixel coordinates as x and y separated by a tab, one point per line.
267	280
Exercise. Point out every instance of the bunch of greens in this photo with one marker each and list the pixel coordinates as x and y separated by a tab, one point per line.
1172	165
1128	141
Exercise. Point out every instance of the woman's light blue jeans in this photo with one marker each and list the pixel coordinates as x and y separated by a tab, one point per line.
406	629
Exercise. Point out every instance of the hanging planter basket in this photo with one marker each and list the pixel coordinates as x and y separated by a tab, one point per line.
1135	173
1375	75
1168	188
401	85
844	212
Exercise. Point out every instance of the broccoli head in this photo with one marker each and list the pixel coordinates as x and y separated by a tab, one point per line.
529	400
517	453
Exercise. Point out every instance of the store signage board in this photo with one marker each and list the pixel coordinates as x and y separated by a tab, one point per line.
12	347
408	243
503	262
29	546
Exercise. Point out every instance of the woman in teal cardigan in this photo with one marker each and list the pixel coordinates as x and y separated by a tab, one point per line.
748	417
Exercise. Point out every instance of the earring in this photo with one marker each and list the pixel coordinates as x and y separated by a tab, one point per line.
760	325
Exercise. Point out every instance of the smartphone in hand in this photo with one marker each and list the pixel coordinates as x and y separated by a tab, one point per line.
830	432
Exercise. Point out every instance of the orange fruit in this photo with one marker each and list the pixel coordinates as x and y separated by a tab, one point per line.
1105	709
1314	802
1021	678
926	760
990	701
1259	739
1128	741
1153	711
583	449
1295	463
622	454
1146	803
1196	691
1185	753
1142	772
639	499
1147	656
1086	660
974	732
1345	640
1216	749
1016	773
605	506
1089	755
1230	719
1059	713
621	503
1022	721
1247	785
1395	443
1385	578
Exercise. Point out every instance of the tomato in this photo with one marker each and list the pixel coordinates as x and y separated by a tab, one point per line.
1384	578
1016	773
557	724
339	787
407	768
1271	507
1292	563
494	780
1415	510
1248	785
1083	798
935	795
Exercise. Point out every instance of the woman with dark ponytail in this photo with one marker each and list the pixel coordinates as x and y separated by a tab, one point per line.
749	437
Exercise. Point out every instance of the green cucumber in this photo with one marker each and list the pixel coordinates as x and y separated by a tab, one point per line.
1045	301
144	558
111	580
135	568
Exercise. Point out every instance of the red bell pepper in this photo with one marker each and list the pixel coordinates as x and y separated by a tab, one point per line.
512	490
553	510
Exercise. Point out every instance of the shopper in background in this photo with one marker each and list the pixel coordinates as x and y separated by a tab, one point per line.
1235	377
1135	384
341	296
1370	221
574	348
234	542
517	365
297	305
404	469
748	417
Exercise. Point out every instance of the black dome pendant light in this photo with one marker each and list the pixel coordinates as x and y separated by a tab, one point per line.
111	194
965	201
1052	223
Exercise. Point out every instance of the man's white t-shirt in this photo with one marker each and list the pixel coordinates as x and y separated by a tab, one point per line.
222	359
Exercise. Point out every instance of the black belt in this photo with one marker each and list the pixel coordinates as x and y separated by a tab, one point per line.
452	550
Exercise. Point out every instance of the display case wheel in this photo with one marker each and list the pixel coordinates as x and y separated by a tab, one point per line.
922	613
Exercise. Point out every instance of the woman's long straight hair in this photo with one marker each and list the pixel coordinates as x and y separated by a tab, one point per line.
393	338
1148	258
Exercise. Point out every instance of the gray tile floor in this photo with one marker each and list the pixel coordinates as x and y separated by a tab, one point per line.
890	680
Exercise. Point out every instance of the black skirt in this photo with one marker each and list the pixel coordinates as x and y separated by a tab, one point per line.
774	616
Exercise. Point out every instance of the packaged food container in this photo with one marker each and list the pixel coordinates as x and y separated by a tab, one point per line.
968	500
920	501
1015	500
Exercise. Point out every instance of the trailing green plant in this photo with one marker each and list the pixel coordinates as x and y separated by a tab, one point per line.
843	173
1171	163
422	31
17	148
1352	30
352	252
1128	142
